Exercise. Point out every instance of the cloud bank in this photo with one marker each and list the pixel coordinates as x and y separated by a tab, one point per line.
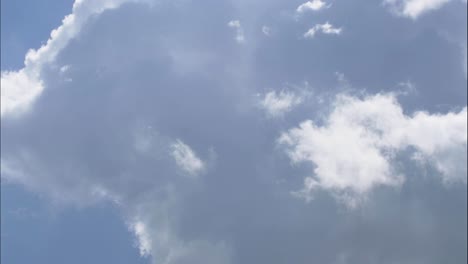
163	122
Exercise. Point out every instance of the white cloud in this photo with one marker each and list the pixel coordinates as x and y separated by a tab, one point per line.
414	8
325	28
314	5
65	68
240	38
144	238
354	149
278	103
20	88
186	158
90	152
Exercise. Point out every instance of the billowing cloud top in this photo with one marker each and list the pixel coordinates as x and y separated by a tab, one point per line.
215	152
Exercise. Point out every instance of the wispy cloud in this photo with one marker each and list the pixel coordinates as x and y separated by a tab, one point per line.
186	158
240	38
325	28
276	104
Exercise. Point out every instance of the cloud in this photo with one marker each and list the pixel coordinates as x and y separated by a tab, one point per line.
20	88
266	31
277	104
186	159
240	38
325	28
415	8
353	151
151	96
144	238
314	5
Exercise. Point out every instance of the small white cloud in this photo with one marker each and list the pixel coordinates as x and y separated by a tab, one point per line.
326	28
314	5
240	38
276	104
143	237
186	158
342	80
353	151
414	8
64	68
406	88
266	30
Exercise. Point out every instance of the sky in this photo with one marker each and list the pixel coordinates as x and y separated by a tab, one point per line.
234	132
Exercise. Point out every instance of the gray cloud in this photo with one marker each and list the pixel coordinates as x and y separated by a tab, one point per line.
139	87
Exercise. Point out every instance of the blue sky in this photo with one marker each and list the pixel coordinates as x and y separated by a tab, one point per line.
141	131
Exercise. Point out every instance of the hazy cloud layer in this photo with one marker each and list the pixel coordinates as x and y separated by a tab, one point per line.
171	121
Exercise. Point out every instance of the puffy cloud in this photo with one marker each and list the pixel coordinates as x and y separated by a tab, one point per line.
186	159
111	135
240	38
79	178
20	88
325	28
314	5
354	149
415	8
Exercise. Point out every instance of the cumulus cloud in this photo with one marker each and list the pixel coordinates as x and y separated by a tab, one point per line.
353	151
144	106
235	24
314	5
325	28
20	88
415	8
